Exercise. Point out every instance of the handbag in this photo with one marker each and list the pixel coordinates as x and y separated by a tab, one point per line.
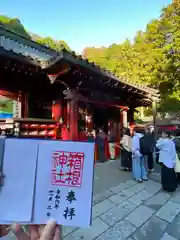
177	165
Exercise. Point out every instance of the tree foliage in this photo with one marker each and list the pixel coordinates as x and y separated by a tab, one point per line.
14	24
56	45
153	58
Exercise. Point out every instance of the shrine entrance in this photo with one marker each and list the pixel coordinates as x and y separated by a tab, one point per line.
104	115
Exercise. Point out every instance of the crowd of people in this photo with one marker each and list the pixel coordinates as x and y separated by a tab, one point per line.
139	149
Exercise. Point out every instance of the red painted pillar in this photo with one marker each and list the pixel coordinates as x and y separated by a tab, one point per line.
72	97
73	131
131	116
57	113
57	110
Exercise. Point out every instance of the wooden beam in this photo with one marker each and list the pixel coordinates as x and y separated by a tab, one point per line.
105	104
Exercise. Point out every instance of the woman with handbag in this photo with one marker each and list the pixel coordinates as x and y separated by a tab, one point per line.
167	159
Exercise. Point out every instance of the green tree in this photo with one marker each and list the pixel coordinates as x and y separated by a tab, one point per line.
152	59
14	24
56	45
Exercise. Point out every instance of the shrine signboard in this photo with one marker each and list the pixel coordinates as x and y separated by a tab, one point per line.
47	179
9	108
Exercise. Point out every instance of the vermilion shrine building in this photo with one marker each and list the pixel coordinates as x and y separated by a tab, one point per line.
50	88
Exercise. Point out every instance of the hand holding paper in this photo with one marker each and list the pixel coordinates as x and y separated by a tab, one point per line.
47	179
50	231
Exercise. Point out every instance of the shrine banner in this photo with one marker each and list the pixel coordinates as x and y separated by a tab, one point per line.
60	179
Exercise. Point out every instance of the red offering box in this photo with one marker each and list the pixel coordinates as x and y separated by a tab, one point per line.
33	125
51	133
51	126
25	125
43	133
33	133
42	126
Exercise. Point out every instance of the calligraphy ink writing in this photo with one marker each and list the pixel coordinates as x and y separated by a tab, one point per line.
67	168
57	199
69	212
50	200
51	193
53	201
71	196
49	208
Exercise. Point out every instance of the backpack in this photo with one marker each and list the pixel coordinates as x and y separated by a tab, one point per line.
145	145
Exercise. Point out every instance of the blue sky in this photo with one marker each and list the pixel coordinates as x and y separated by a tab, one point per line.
84	23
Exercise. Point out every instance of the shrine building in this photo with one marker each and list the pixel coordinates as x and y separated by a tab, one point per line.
59	95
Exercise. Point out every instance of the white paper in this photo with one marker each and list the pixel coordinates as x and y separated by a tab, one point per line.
83	194
19	167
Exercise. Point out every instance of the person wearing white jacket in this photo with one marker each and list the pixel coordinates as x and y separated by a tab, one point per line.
167	158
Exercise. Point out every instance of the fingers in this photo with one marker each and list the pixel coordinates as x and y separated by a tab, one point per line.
57	234
4	230
33	232
41	229
19	232
49	231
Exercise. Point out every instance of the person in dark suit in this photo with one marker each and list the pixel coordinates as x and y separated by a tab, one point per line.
100	141
149	136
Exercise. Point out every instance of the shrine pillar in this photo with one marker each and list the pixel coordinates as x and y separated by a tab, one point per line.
72	114
130	114
123	118
73	120
57	113
123	124
57	110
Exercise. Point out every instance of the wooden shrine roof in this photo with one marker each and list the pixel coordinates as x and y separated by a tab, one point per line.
43	58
